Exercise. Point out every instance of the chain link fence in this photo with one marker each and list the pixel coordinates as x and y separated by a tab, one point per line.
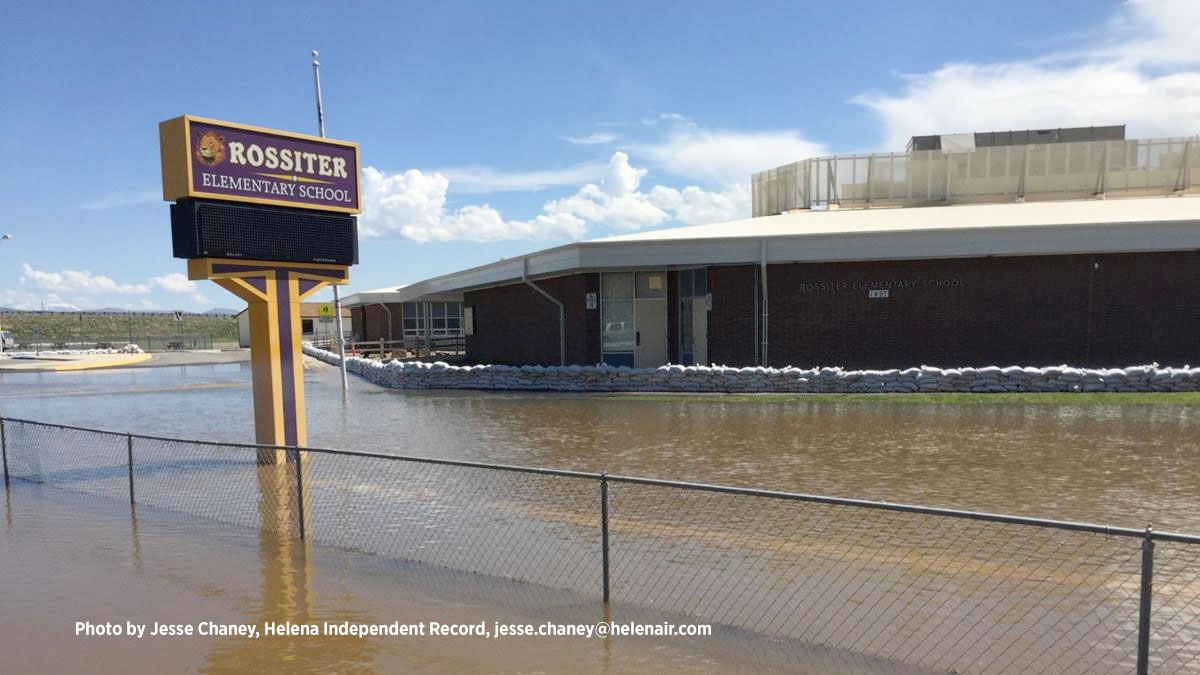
35	341
887	587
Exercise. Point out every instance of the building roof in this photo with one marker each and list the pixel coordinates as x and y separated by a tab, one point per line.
394	294
967	230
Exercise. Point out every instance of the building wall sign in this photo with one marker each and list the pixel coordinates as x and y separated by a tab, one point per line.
884	285
209	159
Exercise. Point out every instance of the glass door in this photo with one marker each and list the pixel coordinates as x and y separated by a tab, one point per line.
617	332
633	315
693	317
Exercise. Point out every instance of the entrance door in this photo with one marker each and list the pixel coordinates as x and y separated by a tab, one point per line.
693	317
634	318
699	331
650	350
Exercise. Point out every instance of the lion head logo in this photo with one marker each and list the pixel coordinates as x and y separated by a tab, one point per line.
210	149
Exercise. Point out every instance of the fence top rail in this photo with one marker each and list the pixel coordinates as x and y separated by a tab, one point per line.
684	485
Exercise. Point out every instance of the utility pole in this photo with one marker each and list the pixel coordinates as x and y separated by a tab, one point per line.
337	302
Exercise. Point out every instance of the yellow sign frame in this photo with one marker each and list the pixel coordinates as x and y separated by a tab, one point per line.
273	292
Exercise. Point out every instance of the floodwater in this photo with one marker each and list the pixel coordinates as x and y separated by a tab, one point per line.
1128	465
806	587
68	559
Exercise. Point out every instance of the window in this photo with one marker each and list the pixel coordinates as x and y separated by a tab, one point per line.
306	325
693	283
618	330
444	320
651	285
617	286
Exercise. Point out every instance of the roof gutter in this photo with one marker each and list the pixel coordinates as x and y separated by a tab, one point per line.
562	312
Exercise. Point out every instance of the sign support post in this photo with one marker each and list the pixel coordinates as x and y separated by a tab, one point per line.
273	291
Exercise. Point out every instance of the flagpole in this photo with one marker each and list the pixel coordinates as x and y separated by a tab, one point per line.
337	302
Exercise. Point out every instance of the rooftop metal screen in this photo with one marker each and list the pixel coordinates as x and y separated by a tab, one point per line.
1133	168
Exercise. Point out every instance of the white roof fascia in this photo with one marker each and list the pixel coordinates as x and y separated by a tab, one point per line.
541	263
402	294
974	230
369	297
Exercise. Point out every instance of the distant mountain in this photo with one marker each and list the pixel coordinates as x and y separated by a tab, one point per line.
222	310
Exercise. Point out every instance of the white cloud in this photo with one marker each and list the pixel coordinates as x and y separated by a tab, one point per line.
114	200
595	138
412	205
1140	71
724	157
24	300
173	283
483	179
615	202
695	206
77	281
84	290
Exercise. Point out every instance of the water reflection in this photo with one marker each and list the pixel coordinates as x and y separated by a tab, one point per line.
285	571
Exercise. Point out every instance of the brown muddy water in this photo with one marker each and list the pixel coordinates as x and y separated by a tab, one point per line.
1126	465
874	582
67	559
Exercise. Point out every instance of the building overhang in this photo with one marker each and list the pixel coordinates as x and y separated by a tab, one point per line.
397	295
974	230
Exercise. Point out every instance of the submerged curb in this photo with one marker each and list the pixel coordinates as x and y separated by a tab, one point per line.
674	378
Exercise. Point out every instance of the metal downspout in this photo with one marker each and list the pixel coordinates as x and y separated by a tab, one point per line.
765	323
389	316
428	312
562	312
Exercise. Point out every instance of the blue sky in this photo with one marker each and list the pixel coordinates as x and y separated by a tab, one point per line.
493	128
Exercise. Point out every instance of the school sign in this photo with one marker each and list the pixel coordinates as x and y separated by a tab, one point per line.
210	159
267	215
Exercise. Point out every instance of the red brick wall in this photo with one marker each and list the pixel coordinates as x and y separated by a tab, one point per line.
370	322
1146	308
515	324
731	320
1043	310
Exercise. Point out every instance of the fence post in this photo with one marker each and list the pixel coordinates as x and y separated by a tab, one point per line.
4	451
300	491
1143	647
604	528
129	455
